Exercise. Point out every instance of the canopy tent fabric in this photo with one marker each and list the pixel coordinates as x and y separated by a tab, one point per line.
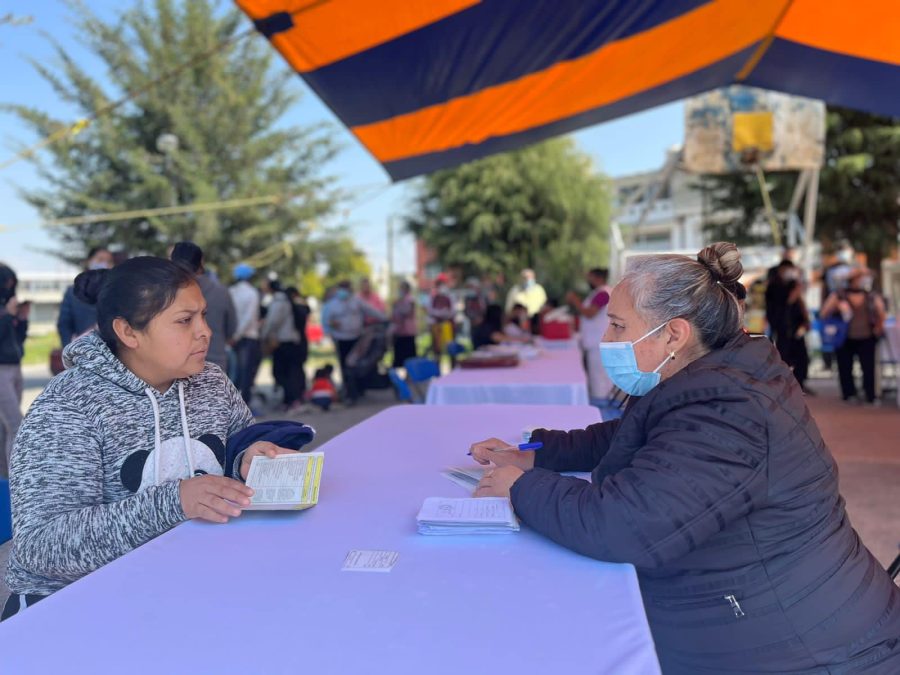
428	85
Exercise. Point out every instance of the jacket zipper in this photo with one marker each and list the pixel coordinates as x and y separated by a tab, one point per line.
731	599
735	606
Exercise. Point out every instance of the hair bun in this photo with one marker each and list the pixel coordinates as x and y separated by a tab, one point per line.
723	260
88	284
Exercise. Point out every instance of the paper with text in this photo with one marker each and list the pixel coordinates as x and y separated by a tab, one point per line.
442	515
289	481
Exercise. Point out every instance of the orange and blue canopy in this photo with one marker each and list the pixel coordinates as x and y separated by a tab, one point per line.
427	84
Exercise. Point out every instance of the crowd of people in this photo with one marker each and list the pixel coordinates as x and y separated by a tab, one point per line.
851	320
256	317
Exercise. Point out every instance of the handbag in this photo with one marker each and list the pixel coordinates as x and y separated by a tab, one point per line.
834	333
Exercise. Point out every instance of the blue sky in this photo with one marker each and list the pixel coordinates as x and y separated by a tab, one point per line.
628	145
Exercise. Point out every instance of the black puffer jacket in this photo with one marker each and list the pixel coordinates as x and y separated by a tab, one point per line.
718	487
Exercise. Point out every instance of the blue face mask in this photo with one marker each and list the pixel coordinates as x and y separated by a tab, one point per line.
621	365
342	294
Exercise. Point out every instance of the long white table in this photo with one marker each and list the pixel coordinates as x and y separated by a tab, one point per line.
266	594
556	377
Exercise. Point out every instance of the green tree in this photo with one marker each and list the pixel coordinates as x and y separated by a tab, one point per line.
859	192
225	112
542	207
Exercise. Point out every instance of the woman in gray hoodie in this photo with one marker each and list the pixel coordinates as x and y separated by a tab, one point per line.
130	440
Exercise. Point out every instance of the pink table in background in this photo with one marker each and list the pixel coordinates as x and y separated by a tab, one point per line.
266	594
556	377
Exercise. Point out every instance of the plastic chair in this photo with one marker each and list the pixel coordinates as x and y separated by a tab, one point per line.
455	349
5	512
400	386
419	371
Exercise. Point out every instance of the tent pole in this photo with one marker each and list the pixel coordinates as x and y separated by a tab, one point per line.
809	221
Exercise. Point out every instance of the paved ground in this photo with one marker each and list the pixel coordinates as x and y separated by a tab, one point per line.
865	441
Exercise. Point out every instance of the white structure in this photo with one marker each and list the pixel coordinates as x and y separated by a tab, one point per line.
661	210
45	291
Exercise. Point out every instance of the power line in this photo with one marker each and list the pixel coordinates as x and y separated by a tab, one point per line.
158	212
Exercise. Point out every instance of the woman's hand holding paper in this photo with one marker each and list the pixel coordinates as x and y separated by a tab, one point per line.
497	482
263	448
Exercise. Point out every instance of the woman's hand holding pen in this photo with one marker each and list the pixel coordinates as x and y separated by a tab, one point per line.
501	453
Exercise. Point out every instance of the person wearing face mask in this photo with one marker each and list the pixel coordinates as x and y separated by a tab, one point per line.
715	484
75	316
344	316
527	292
864	310
13	331
130	440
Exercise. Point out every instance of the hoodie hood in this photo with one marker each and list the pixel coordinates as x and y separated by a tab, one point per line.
90	353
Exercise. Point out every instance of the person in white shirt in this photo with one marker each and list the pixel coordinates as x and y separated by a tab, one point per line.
246	336
594	322
528	292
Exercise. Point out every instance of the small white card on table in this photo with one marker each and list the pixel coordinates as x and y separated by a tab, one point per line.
370	561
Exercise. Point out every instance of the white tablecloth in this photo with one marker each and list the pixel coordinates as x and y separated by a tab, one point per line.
571	343
556	377
266	594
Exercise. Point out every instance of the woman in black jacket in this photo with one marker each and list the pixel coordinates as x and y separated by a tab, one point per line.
716	485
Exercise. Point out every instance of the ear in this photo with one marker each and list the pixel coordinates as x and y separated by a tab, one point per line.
679	333
126	334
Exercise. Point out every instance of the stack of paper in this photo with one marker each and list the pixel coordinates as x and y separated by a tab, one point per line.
289	481
465	476
491	515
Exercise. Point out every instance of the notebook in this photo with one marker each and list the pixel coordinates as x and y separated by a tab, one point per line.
289	481
443	516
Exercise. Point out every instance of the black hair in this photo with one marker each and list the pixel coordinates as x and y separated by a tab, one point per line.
601	272
493	317
324	371
137	290
292	292
189	254
519	305
94	250
8	283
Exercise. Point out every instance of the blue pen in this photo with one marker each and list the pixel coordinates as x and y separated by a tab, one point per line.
526	446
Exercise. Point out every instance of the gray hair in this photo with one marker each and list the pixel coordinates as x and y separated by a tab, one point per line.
701	291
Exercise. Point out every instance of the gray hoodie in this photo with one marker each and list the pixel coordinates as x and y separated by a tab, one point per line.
98	460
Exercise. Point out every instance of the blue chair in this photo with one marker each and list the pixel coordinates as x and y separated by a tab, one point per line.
455	349
420	371
5	512
400	386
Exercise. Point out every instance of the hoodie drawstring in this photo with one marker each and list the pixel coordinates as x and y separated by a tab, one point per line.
157	442
186	433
